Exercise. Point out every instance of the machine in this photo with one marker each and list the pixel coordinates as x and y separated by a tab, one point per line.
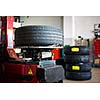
12	68
28	68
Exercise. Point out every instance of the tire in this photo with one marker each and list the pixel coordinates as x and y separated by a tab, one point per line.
60	62
76	59
78	75
39	28
38	36
76	50
80	67
61	81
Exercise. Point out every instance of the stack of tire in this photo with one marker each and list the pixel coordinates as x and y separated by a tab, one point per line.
78	66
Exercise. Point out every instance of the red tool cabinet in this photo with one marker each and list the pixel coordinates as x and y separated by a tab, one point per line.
96	47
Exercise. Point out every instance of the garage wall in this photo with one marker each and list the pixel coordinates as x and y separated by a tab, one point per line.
56	21
67	24
84	25
75	26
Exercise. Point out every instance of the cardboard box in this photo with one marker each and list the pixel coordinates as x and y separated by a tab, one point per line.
97	61
80	42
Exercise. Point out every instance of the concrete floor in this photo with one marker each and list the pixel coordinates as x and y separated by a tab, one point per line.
95	77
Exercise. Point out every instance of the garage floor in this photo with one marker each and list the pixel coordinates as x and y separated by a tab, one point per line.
95	77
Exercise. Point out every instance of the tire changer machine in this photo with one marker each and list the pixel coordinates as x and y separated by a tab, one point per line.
16	70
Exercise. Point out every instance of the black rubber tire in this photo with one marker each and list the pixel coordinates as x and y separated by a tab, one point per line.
83	50
78	75
39	28
77	59
61	81
38	36
60	61
80	67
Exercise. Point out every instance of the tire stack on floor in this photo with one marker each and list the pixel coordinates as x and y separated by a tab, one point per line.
78	66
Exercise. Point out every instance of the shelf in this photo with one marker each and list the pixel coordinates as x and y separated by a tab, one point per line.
39	47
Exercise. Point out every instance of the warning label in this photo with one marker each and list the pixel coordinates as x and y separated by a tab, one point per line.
30	72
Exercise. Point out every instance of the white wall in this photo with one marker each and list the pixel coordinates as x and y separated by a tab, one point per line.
67	24
43	20
83	26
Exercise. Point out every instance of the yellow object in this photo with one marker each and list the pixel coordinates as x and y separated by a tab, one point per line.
75	67
30	72
75	49
97	61
3	33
